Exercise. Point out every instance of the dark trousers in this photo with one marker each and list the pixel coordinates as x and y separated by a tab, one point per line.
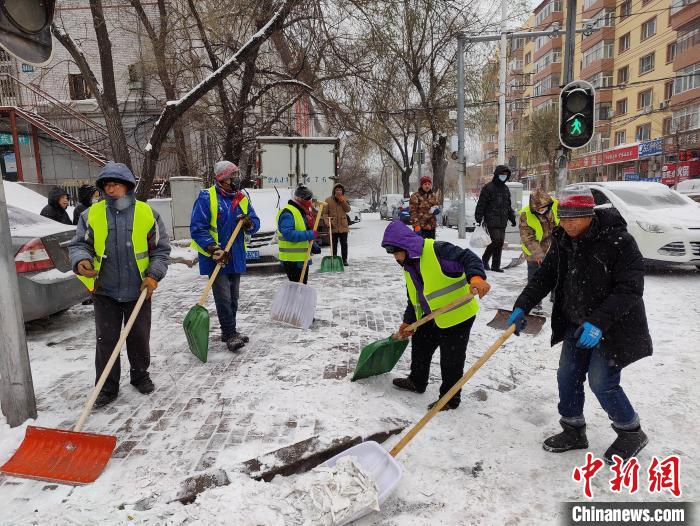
453	347
293	271
110	316
603	379
343	245
427	234
225	289
494	250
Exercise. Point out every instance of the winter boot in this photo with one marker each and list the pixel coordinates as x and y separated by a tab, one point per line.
144	385
105	398
235	342
486	264
627	444
571	438
407	385
453	403
243	337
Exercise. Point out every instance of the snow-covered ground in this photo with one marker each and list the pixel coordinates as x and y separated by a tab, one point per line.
480	464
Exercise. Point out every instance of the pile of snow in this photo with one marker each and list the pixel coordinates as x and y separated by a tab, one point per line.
22	197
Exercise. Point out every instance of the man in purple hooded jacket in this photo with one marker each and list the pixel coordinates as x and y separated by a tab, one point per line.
436	273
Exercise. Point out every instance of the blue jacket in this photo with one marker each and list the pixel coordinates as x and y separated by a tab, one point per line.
286	227
225	224
119	276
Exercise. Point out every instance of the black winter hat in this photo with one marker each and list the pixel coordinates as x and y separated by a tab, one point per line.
501	169
303	192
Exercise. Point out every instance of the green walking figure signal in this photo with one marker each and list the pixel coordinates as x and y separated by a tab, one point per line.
576	114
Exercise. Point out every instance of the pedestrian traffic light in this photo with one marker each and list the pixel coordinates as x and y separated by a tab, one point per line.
576	114
25	29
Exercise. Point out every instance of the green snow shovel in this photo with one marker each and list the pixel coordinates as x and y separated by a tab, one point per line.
380	357
196	323
331	263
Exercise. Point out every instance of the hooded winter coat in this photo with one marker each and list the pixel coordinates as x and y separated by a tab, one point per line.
84	201
337	211
538	249
598	278
55	211
494	205
119	276
419	206
453	261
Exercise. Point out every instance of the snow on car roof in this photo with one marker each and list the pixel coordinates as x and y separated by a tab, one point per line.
23	197
24	223
632	185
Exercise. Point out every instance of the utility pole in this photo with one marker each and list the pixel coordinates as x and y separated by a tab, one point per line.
569	42
418	147
16	387
462	171
502	88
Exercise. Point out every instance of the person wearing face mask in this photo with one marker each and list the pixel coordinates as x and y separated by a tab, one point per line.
537	222
294	231
56	209
436	274
494	209
120	248
88	195
597	272
215	214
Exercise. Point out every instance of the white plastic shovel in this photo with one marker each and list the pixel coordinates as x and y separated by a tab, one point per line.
381	464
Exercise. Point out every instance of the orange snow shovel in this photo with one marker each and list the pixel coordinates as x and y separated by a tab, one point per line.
69	457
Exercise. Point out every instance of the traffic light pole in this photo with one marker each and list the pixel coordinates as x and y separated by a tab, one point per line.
569	43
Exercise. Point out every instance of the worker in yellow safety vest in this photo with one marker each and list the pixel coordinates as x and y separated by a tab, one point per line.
436	273
120	248
537	222
295	231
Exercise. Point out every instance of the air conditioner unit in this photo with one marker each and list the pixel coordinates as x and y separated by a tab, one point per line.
663	104
135	85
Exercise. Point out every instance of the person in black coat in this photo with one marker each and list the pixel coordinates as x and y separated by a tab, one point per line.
597	272
56	209
88	195
494	209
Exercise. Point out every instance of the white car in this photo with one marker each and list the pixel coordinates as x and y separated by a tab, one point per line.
452	214
664	223
690	188
360	204
261	248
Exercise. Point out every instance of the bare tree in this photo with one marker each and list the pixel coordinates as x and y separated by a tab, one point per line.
540	141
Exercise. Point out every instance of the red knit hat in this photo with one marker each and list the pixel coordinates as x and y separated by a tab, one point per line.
576	201
426	179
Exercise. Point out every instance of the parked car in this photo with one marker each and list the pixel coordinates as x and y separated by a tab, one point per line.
261	248
690	188
360	204
354	216
387	204
665	224
452	214
47	284
402	211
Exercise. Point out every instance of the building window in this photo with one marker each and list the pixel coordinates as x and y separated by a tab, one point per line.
688	37
77	87
643	132
619	137
603	18
668	90
603	111
648	29
621	107
624	43
528	57
551	7
601	80
646	63
625	9
587	4
644	99
670	52
667	126
552	57
687	79
687	118
623	75
677	5
600	51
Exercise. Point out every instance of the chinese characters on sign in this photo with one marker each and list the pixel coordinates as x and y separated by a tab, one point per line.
662	475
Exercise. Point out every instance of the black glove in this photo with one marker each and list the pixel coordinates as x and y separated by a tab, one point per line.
512	222
247	223
218	254
315	249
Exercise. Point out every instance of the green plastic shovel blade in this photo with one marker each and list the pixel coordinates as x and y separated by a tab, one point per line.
196	325
332	264
379	357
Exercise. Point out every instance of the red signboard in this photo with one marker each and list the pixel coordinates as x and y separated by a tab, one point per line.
671	173
621	155
587	161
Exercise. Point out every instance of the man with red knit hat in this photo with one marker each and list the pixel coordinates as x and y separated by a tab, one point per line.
423	207
597	273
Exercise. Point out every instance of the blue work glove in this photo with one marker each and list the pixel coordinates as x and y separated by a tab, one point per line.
435	210
588	336
517	318
315	249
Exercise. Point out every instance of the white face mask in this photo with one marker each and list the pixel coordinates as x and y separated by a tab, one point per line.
94	200
503	178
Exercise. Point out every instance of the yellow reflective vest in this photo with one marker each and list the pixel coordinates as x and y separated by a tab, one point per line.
290	250
143	223
534	223
213	215
440	290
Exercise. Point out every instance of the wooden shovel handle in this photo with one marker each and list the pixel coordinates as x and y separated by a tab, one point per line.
204	295
108	368
321	204
441	310
449	394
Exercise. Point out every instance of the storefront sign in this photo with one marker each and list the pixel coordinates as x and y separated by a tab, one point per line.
631	177
587	161
651	148
621	155
672	173
689	140
6	138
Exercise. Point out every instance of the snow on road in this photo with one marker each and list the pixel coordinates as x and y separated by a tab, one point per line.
480	464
